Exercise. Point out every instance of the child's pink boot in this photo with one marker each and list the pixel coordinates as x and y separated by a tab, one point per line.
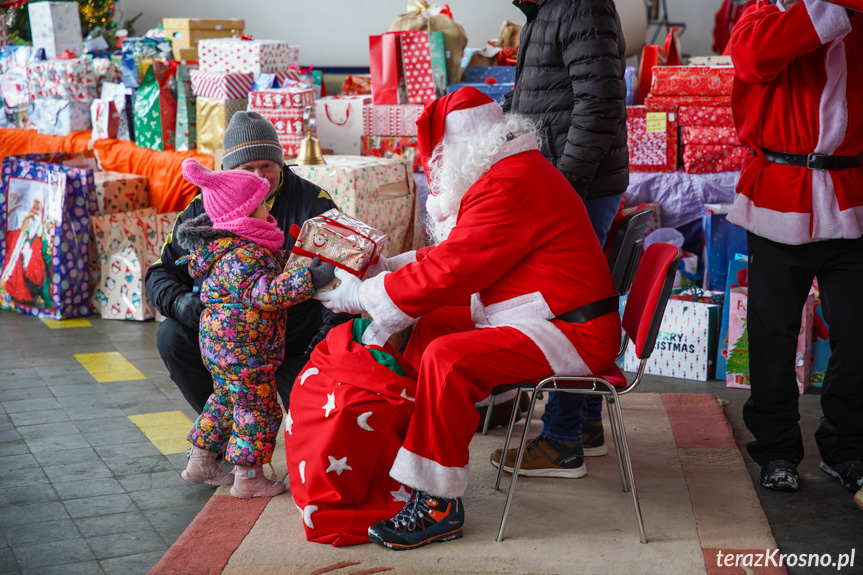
251	482
202	468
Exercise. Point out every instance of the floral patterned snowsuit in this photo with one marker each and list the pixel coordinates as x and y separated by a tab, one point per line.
242	343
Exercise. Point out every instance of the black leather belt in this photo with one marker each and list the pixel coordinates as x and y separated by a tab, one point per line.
592	310
814	161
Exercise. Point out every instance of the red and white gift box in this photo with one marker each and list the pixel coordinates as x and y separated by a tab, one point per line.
289	126
654	101
652	138
72	79
391	120
297	98
692	81
707	135
224	86
711	159
234	55
705	116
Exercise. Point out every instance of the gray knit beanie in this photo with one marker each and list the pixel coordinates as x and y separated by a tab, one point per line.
250	137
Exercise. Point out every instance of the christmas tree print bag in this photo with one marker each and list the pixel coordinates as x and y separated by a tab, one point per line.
348	416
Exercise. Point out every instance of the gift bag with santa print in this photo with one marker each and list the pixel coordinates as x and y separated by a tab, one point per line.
349	413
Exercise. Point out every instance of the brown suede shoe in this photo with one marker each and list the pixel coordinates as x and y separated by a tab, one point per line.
545	458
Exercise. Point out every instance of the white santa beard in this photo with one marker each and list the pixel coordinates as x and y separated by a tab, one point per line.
449	185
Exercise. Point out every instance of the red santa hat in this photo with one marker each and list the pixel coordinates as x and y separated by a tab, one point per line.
461	115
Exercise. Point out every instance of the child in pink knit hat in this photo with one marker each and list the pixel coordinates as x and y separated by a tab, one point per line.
236	247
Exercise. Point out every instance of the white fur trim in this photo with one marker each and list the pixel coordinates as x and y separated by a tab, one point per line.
530	314
830	20
396	263
466	124
377	301
430	476
523	143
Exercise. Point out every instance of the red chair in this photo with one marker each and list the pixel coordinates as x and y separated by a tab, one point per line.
642	317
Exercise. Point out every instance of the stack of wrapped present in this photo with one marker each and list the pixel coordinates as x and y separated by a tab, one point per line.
390	130
185	33
222	85
703	93
652	138
61	91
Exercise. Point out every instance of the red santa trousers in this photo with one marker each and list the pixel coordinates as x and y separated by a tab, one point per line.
458	365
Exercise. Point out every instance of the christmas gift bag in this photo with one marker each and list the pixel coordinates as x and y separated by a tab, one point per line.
722	241
686	345
186	130
820	345
652	138
117	192
341	240
104	118
737	362
137	56
339	457
432	18
59	117
122	99
380	192
339	123
156	108
44	236
56	27
738	269
424	66
385	65
212	117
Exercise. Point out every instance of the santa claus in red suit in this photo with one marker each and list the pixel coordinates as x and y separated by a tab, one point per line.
798	103
514	249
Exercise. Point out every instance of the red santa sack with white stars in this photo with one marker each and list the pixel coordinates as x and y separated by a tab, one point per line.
348	416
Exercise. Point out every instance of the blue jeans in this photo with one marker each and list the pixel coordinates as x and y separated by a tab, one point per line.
565	412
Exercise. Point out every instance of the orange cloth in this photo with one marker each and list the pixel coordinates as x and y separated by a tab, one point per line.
169	192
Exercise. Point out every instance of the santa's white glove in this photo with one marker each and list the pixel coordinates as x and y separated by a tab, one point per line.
345	298
378	267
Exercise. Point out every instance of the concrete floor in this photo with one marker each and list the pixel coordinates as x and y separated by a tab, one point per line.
89	477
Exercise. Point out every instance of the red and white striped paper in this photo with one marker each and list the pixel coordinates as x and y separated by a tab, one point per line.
391	120
224	86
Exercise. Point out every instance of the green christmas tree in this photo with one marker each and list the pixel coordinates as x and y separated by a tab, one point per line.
738	358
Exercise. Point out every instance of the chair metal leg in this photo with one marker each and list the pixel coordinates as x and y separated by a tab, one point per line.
507	439
625	449
487	421
517	465
615	437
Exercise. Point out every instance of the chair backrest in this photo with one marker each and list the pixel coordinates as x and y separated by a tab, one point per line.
626	249
651	289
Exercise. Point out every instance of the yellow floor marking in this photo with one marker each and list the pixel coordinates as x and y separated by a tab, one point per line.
110	366
167	431
63	323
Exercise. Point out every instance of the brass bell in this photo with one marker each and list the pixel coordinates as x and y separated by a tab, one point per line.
309	152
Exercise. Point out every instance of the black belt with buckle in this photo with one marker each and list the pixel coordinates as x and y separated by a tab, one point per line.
814	161
592	310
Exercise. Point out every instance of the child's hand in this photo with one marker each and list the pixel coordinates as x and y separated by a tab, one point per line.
322	272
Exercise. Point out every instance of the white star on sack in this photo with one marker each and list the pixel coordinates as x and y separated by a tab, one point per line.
330	405
338	465
401	494
289	423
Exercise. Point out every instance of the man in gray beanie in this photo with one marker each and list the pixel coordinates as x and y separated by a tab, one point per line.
250	144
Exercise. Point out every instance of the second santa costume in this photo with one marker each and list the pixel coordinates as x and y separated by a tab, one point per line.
522	252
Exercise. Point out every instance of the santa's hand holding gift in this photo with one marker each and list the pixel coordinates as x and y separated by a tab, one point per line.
513	237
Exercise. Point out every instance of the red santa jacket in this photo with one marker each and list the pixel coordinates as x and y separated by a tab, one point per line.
799	89
524	247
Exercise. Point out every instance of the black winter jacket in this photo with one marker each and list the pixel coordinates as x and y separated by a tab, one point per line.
295	201
569	79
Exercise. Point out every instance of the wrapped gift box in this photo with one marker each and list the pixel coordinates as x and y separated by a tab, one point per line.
711	159
705	135
186	54
390	146
706	116
225	86
652	138
479	74
692	81
339	239
56	27
187	32
117	192
653	101
70	79
59	117
287	98
106	70
229	55
339	123
494	91
391	120
377	191
212	116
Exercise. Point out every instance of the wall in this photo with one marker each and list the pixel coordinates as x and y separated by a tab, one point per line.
335	32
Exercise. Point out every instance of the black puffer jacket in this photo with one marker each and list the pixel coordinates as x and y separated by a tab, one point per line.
569	79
